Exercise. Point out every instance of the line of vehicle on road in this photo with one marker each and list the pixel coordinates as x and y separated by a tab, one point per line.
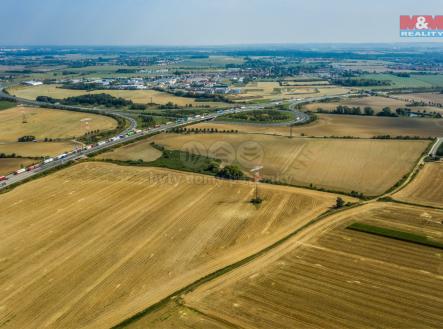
134	133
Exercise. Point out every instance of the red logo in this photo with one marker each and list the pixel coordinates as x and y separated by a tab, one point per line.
421	22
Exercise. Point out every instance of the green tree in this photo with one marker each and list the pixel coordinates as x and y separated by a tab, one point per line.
340	203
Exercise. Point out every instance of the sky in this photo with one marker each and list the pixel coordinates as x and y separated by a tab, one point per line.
206	22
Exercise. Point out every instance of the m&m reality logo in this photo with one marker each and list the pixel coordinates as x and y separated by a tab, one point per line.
421	26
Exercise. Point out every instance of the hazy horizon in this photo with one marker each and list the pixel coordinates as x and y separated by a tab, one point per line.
206	23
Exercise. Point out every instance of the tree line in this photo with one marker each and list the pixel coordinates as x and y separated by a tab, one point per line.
92	99
369	111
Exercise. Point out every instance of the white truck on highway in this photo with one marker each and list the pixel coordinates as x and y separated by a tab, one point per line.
20	171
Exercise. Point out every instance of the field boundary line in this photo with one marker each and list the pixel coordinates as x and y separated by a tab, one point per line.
229	268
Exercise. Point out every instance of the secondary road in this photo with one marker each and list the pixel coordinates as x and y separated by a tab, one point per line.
435	147
127	136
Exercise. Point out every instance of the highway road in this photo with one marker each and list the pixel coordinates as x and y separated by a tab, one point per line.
131	133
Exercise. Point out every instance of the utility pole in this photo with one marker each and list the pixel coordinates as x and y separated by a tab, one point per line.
256	172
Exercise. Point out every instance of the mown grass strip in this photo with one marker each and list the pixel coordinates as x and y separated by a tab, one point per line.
394	234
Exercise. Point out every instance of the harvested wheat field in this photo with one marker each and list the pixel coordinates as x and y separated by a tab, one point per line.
426	188
328	276
376	102
43	123
100	242
40	149
429	98
366	166
329	125
9	165
137	96
141	150
273	91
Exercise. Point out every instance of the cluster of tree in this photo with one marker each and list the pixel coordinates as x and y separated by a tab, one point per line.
399	137
92	132
231	172
202	130
340	203
201	97
421	103
369	111
136	106
25	139
91	99
82	86
361	82
261	116
386	112
147	120
169	106
343	109
97	99
4	156
127	71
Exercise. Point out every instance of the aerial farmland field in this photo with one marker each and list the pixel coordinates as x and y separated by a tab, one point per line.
376	102
426	188
273	91
335	125
39	149
46	123
141	150
137	96
366	166
414	81
330	276
100	242
422	97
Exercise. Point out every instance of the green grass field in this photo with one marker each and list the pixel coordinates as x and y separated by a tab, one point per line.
414	81
4	105
259	116
395	234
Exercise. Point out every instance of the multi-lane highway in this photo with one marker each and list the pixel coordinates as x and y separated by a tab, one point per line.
129	134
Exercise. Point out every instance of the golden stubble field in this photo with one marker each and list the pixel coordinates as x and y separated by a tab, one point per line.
100	242
327	277
366	166
40	149
422	97
329	125
137	96
140	150
426	188
43	123
377	103
273	91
